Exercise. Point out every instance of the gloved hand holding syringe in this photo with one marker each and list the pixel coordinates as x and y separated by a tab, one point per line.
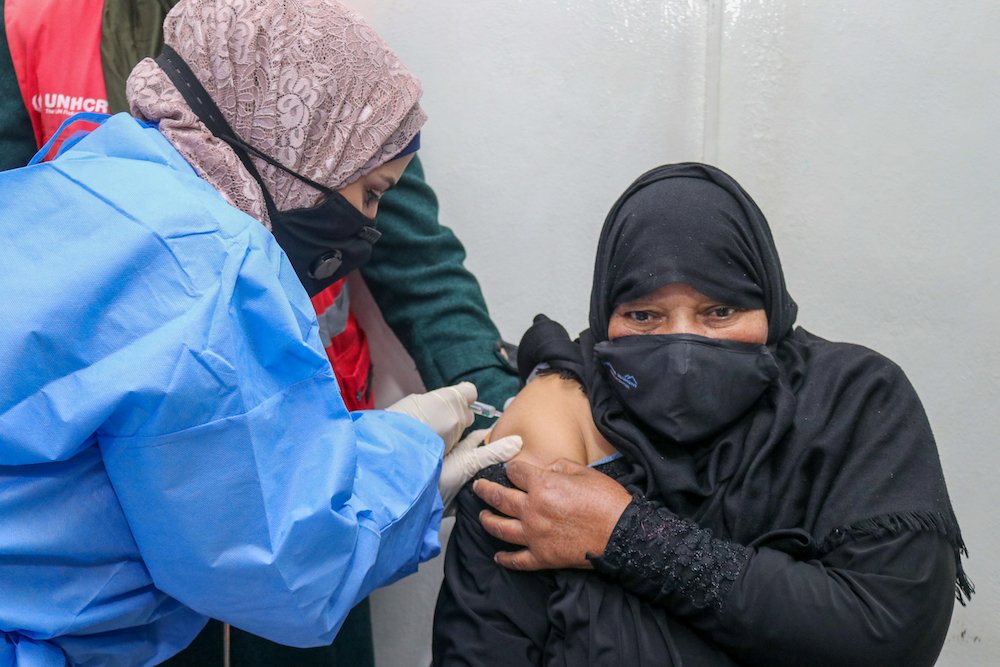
449	411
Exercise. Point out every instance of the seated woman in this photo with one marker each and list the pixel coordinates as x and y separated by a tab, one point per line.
775	499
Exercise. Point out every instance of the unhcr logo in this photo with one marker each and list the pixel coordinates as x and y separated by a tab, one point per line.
626	380
67	105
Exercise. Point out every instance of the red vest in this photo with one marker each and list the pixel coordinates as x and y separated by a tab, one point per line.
56	49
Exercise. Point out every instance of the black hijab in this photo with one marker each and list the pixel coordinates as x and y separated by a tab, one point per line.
839	445
694	224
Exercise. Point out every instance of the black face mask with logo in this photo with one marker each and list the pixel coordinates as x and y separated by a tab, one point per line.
324	242
686	387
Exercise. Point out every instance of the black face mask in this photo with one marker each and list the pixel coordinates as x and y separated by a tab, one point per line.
324	242
686	387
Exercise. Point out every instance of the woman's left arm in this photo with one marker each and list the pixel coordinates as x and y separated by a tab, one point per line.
872	601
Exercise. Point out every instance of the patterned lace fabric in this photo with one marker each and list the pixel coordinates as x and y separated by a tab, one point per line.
657	555
307	82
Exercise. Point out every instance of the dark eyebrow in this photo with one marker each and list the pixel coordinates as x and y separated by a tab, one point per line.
388	182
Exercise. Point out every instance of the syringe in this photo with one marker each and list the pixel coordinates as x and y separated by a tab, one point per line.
485	410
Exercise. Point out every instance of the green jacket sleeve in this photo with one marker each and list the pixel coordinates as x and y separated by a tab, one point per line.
429	299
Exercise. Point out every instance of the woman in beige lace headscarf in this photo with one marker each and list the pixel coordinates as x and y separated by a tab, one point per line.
308	83
185	450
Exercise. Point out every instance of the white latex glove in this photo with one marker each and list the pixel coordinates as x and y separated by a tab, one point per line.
468	457
445	410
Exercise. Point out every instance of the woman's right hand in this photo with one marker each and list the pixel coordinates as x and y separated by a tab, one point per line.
559	513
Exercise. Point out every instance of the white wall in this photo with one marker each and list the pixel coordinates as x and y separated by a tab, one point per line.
863	129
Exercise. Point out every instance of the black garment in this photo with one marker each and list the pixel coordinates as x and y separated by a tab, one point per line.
657	599
815	529
689	223
840	432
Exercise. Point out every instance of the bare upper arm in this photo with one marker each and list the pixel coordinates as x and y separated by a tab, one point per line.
553	417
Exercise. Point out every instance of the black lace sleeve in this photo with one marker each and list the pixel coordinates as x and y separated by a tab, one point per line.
659	556
872	601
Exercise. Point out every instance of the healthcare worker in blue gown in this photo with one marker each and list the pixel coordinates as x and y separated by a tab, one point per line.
173	445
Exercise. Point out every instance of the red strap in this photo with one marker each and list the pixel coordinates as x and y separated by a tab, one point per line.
56	49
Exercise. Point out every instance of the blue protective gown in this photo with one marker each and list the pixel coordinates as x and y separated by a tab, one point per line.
172	440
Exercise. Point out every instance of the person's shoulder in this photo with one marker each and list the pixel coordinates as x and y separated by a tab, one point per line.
847	363
546	414
552	415
132	168
824	350
145	210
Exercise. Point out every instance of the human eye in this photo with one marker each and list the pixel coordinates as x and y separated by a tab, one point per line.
639	315
372	197
722	312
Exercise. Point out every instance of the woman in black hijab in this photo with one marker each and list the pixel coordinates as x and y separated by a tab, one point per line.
783	499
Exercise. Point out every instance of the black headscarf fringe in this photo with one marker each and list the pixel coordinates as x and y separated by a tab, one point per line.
564	373
898	523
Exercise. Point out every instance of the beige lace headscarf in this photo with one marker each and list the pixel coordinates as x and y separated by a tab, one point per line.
307	82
